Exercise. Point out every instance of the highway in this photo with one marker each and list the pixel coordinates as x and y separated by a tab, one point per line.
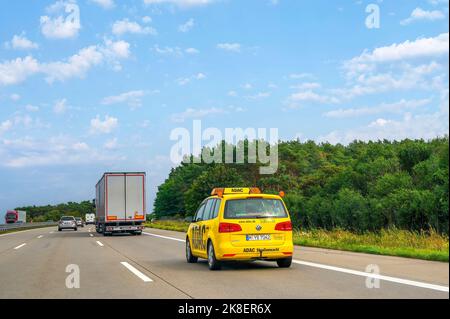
33	264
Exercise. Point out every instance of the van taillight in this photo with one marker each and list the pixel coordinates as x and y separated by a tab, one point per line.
229	228
284	226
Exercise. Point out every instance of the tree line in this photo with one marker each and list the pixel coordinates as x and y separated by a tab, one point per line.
363	186
54	212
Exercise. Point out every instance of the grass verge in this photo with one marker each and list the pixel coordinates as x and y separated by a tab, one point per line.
391	242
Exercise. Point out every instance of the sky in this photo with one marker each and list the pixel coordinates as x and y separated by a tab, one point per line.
90	86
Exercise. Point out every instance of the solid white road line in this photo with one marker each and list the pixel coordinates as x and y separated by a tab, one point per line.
348	271
20	246
51	232
99	243
375	276
136	272
165	237
40	236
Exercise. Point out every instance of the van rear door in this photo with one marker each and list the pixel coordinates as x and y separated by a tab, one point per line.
115	197
135	197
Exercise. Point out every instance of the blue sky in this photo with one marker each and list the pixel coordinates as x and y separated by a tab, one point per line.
103	93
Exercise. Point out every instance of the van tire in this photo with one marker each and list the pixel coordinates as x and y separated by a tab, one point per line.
191	259
285	262
213	263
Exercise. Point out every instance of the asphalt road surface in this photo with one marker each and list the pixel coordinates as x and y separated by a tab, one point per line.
44	263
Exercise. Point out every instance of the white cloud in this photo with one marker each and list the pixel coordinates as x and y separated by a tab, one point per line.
185	81
20	42
174	51
192	113
186	27
247	86
63	22
116	49
147	19
311	96
31	108
192	51
396	107
297	76
80	146
5	126
103	127
306	86
419	48
403	77
418	14
60	106
200	76
425	126
232	93
181	3
111	144
231	47
76	66
133	99
15	97
57	150
259	96
105	4
16	71
126	26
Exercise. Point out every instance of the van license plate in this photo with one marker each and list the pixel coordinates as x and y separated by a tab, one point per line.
258	237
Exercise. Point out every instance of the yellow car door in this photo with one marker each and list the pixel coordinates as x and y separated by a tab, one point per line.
196	234
207	224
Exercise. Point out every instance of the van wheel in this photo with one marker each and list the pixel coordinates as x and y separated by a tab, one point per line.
285	262
189	257
213	263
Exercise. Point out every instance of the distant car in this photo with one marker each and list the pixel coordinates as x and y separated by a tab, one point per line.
80	221
67	222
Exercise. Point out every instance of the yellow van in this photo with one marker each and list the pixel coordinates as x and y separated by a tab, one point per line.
240	224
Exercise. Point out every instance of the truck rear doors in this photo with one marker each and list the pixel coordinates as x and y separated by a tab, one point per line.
125	197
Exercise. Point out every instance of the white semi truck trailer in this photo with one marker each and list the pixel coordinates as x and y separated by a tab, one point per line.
120	203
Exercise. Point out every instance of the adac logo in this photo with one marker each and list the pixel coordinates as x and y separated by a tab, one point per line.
258	227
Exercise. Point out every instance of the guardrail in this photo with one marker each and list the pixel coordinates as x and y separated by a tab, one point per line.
6	227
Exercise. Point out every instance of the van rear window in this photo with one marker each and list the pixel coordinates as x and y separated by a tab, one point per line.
254	208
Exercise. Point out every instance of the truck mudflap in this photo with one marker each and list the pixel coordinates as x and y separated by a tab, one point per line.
124	228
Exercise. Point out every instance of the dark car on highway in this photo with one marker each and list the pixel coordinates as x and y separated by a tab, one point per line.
80	221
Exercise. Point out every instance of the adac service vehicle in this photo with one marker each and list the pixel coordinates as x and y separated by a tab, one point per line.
120	203
240	224
67	222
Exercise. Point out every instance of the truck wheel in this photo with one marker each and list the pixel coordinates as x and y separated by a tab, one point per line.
213	263
59	229
189	257
75	229
284	263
